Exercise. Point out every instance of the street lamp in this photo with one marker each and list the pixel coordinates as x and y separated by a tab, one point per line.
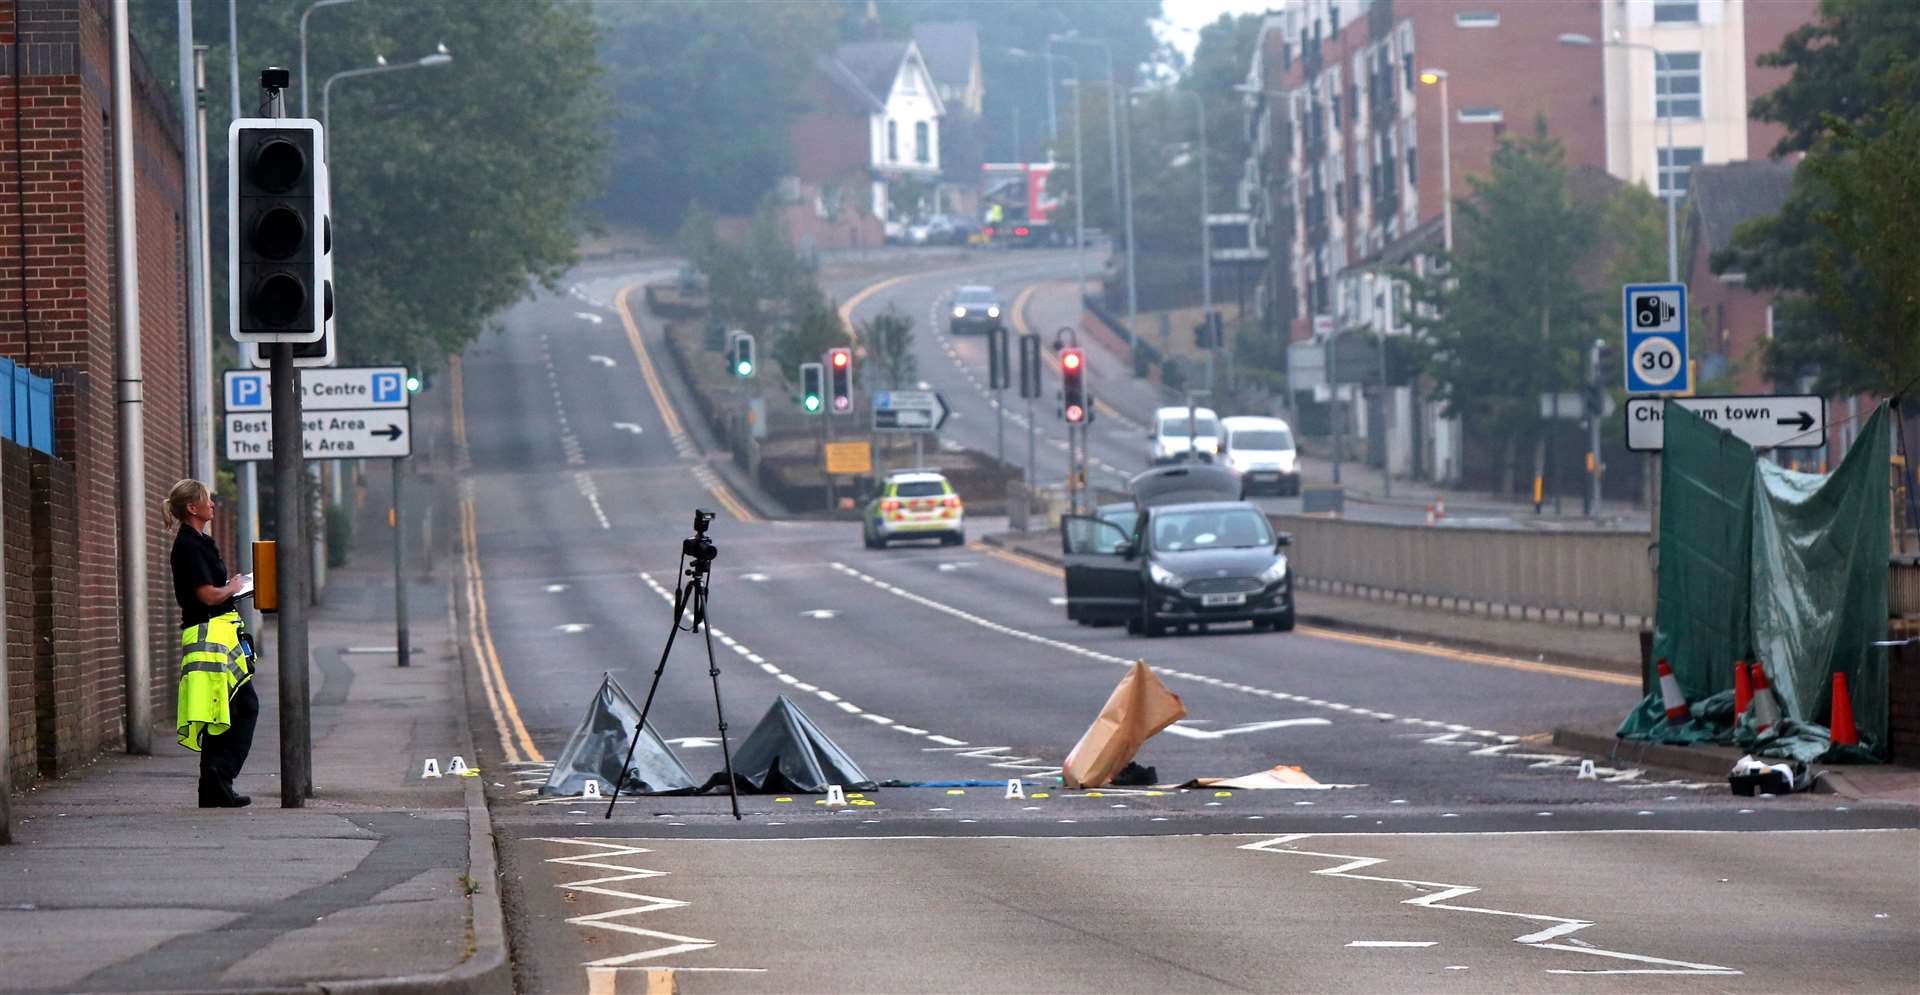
1206	236
440	57
1114	141
1660	58
1079	163
304	87
1433	77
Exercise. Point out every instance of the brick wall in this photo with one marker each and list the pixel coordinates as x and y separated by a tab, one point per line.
58	316
1903	705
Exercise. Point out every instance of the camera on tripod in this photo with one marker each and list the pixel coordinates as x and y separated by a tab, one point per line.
697	547
1652	311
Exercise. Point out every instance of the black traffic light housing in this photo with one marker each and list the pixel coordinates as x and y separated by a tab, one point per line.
840	381
740	357
999	368
813	388
1029	365
278	233
1073	384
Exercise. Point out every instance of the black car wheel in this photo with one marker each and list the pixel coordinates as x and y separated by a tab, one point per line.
1284	623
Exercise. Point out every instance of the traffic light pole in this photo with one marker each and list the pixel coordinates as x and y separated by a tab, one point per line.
402	644
289	527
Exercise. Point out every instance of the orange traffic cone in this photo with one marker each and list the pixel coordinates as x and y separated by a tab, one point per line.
1766	709
1742	689
1844	734
1670	695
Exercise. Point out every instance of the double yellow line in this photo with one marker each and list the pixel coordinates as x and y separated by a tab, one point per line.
515	743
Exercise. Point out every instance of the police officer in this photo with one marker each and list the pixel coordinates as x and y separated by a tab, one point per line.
217	704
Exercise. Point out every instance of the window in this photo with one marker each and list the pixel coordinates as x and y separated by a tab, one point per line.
893	142
1676	11
922	145
1333	16
1406	65
1413	168
1477	19
1676	173
1676	85
1479	115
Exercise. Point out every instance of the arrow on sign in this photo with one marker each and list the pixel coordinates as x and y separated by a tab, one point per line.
606	361
626	426
1803	421
391	433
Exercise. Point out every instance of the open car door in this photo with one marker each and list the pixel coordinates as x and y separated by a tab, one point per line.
1103	573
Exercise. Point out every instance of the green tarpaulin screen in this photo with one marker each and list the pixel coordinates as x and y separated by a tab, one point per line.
1762	563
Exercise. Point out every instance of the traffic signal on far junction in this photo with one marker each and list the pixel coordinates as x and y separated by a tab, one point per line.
813	388
740	357
1073	384
840	380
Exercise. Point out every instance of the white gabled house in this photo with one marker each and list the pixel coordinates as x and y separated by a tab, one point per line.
873	108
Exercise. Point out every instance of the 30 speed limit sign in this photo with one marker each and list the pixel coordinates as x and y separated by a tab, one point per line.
1656	361
1655	316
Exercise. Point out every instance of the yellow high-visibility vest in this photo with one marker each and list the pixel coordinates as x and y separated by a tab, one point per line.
213	665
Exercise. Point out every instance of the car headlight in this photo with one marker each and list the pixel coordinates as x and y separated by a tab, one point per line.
1164	577
1275	573
994	311
959	312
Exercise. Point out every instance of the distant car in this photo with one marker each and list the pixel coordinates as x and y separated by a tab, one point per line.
896	231
914	504
1174	439
1191	560
1262	450
975	309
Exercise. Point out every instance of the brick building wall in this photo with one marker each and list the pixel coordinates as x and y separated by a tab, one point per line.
56	226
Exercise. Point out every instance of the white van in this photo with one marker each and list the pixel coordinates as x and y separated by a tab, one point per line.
1174	439
1262	450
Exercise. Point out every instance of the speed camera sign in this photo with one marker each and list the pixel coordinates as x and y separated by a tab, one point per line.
1655	318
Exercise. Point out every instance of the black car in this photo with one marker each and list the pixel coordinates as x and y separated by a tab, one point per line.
975	309
1190	560
1122	514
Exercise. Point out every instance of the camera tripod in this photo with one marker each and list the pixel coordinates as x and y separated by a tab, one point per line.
689	594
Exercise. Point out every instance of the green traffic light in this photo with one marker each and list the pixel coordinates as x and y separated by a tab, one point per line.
811	403
413	385
744	368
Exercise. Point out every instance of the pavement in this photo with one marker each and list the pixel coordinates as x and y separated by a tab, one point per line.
384	882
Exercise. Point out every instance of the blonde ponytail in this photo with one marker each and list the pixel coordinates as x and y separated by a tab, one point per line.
174	509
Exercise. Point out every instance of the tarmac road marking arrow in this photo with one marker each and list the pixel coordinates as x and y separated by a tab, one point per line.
626	426
606	361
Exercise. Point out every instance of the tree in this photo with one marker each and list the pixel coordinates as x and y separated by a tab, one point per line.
1509	319
1834	250
703	95
456	189
816	328
888	339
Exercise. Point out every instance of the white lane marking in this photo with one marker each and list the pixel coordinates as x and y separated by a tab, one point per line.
588	316
694	742
606	361
819	613
556	588
1556	926
1445	738
606	850
754	578
1184	729
627	427
573	628
945	740
1392	943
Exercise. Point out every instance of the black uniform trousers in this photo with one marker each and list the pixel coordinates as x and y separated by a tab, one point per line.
222	756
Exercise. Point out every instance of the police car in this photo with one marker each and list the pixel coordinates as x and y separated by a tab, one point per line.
914	504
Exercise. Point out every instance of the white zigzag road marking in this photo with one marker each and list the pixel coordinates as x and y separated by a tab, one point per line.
1002	757
608	849
1558	926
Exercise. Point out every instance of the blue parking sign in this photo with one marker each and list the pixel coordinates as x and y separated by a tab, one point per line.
1655	319
389	388
246	391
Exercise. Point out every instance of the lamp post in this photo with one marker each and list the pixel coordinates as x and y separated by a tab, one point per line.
1660	59
1433	77
304	88
1079	164
438	58
1114	141
1206	236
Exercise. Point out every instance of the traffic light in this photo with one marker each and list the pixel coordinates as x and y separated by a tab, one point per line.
1029	365
813	388
413	384
1210	333
840	382
999	371
740	356
1073	384
278	234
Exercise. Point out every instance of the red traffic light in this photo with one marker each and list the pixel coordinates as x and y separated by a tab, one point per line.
841	357
1076	413
1070	359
